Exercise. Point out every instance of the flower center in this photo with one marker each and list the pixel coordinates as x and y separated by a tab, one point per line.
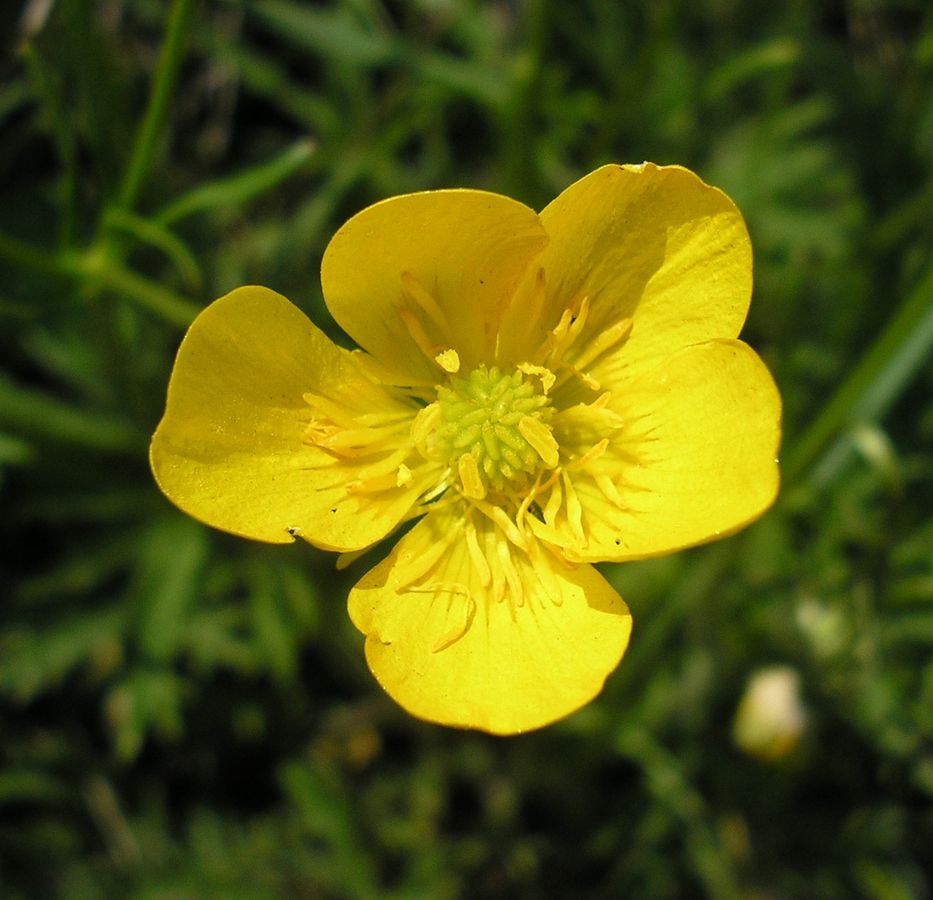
492	429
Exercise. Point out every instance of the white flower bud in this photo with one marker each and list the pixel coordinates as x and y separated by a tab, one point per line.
770	717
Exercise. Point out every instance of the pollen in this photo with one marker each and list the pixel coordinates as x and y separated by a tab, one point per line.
492	428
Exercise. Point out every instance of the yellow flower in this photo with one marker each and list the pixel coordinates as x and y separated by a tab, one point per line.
542	391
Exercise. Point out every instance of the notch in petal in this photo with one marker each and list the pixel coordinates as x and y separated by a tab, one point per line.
232	448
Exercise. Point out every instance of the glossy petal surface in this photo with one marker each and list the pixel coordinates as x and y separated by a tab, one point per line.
231	449
653	244
448	648
450	258
693	460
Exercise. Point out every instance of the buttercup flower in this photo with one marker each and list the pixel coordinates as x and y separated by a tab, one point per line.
541	391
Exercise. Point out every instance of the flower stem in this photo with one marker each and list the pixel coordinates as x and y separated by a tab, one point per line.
63	137
109	273
668	781
96	267
163	88
883	373
26	256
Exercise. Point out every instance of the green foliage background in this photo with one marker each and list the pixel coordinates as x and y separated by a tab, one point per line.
188	715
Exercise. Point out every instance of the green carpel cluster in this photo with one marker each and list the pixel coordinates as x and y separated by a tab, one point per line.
500	420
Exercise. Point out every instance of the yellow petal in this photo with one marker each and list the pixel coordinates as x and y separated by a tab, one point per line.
693	458
652	244
417	275
232	449
463	629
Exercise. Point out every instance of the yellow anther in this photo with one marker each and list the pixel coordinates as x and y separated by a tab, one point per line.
541	439
414	290
448	360
546	375
470	479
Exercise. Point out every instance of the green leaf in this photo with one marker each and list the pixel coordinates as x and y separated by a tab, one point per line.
758	61
277	636
34	660
334	33
155	234
876	382
148	701
325	814
36	413
26	785
14	450
240	187
219	638
79	573
167	584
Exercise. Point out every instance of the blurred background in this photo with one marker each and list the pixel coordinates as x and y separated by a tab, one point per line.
184	714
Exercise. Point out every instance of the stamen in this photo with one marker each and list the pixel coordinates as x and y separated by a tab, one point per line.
371	485
527	500
602	401
541	439
591	455
415	290
603	342
554	341
551	536
553	505
439	488
470	479
574	509
477	557
377	420
546	375
448	360
557	552
357	441
499	516
545	577
386	466
459	629
418	334
569	369
383	475
557	351
609	489
498	584
327	409
425	425
384	375
511	576
413	568
391	407
579	319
